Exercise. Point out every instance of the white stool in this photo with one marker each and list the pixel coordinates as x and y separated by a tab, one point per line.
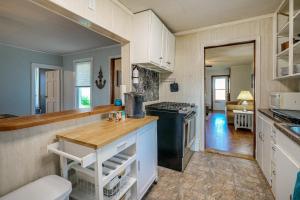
47	188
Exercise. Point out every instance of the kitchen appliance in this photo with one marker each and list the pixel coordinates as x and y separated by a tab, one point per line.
285	100
134	105
176	130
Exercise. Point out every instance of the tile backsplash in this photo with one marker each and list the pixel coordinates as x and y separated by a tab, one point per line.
148	84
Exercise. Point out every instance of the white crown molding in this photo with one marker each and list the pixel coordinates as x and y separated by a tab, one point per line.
90	50
28	49
224	24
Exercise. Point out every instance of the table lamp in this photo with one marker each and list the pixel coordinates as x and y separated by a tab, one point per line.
245	96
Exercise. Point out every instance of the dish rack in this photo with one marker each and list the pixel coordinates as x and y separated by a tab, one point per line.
108	173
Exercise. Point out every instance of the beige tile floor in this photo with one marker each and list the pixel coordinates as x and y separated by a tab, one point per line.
212	177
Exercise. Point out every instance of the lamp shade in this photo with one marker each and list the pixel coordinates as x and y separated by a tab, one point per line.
245	96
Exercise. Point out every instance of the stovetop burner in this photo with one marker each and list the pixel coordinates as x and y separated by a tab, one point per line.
291	116
172	106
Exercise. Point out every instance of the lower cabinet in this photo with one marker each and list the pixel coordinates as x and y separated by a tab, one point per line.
146	158
277	156
263	145
283	175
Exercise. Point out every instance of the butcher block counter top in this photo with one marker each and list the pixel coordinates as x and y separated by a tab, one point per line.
97	134
15	123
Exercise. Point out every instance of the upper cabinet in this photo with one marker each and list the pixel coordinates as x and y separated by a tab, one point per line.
153	45
287	40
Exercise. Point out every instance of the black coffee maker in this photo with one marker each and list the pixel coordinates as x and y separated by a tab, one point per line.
134	105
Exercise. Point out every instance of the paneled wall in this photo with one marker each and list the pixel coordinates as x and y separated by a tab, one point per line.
189	67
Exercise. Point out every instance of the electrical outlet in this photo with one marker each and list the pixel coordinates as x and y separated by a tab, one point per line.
92	4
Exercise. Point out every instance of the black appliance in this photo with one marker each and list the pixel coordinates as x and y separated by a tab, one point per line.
134	105
175	133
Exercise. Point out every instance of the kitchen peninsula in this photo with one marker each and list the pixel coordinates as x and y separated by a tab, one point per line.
92	140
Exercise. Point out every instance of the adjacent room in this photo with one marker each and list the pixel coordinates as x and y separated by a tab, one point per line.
229	101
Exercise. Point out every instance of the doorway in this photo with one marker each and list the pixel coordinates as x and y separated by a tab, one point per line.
115	77
229	74
46	89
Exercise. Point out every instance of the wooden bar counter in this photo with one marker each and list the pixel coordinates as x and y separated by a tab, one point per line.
15	123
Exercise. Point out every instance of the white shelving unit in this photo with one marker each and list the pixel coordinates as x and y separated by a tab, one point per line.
91	170
287	30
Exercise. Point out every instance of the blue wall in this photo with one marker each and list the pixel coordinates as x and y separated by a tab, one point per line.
100	57
15	77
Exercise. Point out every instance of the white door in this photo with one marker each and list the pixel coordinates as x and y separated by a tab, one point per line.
220	90
146	158
259	142
286	172
52	91
156	40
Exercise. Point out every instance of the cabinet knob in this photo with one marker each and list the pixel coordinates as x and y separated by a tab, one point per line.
274	172
160	58
169	63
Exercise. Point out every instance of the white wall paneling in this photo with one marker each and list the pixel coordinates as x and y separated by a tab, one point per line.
189	65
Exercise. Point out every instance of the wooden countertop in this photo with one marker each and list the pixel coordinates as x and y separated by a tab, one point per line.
98	134
15	123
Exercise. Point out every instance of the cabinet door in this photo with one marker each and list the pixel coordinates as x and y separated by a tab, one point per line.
266	158
171	51
259	142
146	158
285	172
156	32
165	47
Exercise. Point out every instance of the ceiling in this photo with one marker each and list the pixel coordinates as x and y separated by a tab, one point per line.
182	15
27	25
228	56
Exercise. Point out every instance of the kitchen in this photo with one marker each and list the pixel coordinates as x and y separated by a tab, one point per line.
179	73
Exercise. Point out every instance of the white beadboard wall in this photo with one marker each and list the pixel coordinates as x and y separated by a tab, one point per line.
189	70
23	153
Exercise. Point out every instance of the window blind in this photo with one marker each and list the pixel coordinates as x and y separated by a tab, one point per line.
83	74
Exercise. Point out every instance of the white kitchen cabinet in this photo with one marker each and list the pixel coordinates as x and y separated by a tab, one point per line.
278	157
266	162
263	145
284	174
168	55
153	45
259	141
146	158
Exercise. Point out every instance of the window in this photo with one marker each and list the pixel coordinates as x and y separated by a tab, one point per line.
83	84
220	88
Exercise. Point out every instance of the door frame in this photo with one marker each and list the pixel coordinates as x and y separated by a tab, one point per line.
256	86
112	78
212	88
34	67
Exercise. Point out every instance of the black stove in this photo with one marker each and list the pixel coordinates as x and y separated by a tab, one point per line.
175	133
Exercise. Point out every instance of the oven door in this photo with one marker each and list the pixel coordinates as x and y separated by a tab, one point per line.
189	131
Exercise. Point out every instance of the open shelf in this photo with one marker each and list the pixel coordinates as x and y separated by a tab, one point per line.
87	192
283	54
115	165
123	190
284	30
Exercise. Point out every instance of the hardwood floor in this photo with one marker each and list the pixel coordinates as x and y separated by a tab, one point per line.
221	137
